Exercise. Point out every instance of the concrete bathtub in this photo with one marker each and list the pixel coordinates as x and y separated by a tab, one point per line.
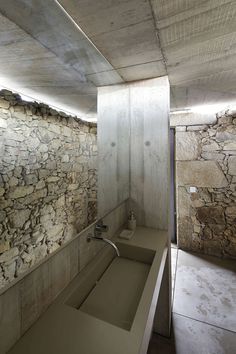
109	307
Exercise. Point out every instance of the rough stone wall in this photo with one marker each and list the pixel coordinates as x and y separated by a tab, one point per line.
206	160
48	182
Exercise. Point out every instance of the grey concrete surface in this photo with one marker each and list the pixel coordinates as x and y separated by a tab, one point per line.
193	337
10	318
193	330
120	309
206	290
197	39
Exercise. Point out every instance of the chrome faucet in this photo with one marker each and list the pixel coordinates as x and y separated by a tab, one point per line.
99	229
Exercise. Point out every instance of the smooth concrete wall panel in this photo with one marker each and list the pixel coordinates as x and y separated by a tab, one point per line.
137	158
64	267
36	295
149	115
113	147
10	318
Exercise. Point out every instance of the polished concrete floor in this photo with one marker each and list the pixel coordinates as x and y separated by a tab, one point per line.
204	306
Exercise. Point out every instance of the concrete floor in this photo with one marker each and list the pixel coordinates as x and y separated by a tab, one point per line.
204	306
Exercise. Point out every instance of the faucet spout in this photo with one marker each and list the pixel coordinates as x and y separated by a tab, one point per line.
98	238
112	245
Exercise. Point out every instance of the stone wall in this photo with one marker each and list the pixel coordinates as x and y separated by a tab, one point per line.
206	161
48	182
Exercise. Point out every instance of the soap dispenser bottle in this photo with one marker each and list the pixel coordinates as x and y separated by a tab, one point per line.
131	221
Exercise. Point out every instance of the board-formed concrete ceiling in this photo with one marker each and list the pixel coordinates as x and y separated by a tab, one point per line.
62	50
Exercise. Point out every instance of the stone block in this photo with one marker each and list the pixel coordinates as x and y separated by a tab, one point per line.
200	174
43	148
34	197
230	145
230	212
232	165
33	143
211	215
207	233
184	202
3	123
37	237
212	156
21	191
10	270
52	246
66	131
40	252
197	127
40	185
212	247
43	173
8	256
55	233
225	120
213	146
192	119
54	128
52	179
225	134
4	246
19	217
4	104
187	146
31	179
13	181
51	165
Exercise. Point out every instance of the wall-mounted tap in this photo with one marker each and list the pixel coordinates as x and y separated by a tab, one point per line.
98	230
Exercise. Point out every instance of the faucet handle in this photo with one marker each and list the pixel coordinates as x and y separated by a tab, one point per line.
100	227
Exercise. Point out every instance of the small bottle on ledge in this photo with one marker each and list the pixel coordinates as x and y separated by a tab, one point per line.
131	221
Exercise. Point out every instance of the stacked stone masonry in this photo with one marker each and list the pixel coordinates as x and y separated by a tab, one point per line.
48	182
206	160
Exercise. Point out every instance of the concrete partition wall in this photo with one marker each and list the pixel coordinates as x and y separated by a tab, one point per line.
133	149
113	147
149	152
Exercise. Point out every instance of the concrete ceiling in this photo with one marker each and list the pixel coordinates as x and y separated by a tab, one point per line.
46	55
198	40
